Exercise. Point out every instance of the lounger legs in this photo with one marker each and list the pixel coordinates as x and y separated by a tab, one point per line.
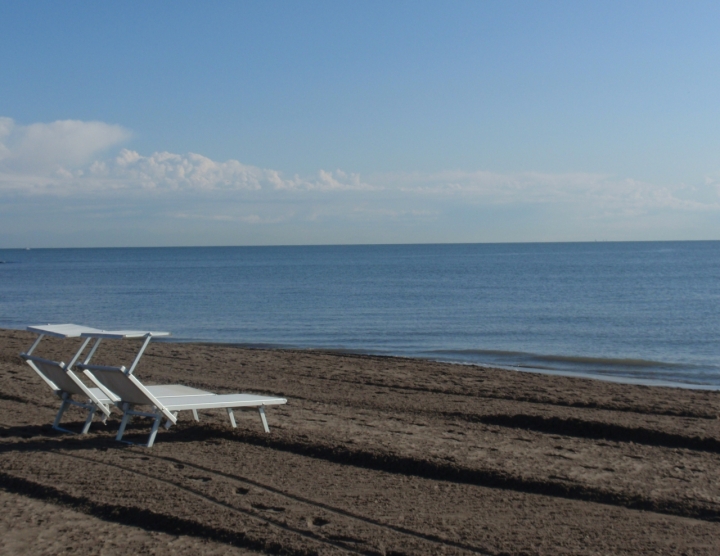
154	430
123	424
168	423
63	406
158	418
261	409
67	402
232	417
195	415
128	414
88	421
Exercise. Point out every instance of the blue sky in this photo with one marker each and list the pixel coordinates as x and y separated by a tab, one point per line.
252	123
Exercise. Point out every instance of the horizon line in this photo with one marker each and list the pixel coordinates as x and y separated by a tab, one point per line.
371	244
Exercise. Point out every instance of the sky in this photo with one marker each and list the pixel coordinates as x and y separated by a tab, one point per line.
281	123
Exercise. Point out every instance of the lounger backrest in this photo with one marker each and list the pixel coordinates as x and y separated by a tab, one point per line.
56	372
115	380
124	385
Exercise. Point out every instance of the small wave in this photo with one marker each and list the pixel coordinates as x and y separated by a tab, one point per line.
616	369
564	360
621	362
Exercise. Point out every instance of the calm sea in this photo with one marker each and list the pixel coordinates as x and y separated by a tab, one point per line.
625	311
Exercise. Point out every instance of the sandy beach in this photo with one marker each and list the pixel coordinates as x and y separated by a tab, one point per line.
371	455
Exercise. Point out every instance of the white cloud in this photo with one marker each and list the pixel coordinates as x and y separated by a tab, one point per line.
714	182
60	158
627	195
244	218
194	172
63	159
41	148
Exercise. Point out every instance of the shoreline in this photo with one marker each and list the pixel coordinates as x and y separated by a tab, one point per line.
371	454
700	375
604	377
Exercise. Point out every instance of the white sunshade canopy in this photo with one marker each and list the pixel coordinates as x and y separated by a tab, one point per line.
62	330
77	330
123	334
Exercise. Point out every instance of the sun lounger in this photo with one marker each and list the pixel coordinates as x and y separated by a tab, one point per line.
65	383
127	392
60	377
147	336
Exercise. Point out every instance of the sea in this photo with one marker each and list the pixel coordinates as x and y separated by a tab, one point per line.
634	312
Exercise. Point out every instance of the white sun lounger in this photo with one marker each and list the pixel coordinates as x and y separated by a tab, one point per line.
161	391
60	377
127	391
66	384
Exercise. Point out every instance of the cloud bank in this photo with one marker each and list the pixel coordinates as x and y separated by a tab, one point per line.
60	158
75	160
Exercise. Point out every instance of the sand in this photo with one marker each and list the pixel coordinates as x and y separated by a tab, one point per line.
371	455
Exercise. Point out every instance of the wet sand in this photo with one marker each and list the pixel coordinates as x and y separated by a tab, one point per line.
371	455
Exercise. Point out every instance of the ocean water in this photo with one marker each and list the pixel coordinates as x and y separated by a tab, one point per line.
622	311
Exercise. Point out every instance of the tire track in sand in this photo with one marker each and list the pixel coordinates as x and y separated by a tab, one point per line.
224	505
435	540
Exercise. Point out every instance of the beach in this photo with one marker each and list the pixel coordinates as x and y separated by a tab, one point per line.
371	455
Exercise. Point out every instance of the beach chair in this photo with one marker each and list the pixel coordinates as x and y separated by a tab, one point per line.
127	392
61	379
64	383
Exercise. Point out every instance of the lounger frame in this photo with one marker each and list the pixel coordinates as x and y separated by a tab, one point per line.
127	392
118	386
65	383
60	377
